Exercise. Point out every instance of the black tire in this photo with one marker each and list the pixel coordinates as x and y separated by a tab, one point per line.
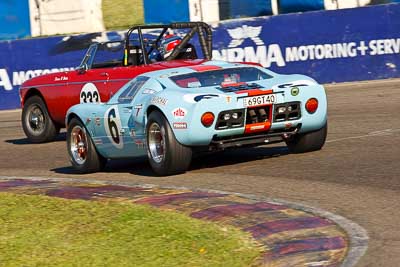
87	159
308	142
36	122
175	158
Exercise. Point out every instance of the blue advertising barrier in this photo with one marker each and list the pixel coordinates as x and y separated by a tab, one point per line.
165	11
14	20
21	60
330	46
288	6
248	8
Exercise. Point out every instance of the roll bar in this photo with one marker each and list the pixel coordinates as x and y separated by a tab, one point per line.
202	29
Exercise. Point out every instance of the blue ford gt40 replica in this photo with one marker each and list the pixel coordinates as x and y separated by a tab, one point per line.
171	113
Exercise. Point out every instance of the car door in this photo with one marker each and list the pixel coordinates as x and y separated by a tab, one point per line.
123	135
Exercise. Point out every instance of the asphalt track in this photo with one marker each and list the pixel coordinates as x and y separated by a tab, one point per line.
356	175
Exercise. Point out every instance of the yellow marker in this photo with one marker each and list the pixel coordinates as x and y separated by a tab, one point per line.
126	57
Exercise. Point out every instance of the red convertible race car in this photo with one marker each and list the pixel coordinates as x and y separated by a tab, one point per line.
105	68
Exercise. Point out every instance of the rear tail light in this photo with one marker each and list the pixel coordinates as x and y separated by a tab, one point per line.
207	119
312	105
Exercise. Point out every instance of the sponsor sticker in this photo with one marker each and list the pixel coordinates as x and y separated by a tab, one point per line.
148	91
295	91
140	143
159	101
180	125
179	113
61	78
288	125
138	108
257	127
97	141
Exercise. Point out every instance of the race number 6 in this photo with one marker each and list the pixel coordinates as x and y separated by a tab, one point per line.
112	124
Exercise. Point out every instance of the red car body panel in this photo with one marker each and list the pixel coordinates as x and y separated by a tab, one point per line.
62	90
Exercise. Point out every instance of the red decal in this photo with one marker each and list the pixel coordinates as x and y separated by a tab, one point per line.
255	92
257	127
231	84
201	68
179	113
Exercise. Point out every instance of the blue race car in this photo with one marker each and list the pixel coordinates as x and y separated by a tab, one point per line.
214	105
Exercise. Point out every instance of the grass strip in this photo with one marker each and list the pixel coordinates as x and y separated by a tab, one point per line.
44	231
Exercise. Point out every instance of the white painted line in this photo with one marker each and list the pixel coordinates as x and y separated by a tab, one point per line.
317	263
370	83
10	111
385	132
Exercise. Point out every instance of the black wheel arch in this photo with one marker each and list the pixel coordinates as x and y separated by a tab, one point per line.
70	117
33	92
152	108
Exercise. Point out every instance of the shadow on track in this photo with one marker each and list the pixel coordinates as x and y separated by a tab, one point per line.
140	166
236	156
25	141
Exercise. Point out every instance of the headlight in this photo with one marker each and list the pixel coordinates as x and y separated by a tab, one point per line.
281	109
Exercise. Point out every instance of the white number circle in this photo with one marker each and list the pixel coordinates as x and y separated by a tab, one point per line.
89	94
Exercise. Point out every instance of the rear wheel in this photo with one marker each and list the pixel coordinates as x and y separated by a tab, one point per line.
36	122
82	152
166	155
308	142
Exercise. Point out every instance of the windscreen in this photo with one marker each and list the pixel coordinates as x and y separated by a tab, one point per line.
222	77
107	53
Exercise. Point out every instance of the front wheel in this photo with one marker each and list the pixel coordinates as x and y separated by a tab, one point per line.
166	155
82	152
36	122
308	142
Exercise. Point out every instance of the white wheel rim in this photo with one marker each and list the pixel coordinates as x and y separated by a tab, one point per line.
78	144
156	142
35	120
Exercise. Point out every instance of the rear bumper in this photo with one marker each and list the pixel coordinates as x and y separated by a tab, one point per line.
253	140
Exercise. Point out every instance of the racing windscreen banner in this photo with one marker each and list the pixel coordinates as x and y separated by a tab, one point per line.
330	46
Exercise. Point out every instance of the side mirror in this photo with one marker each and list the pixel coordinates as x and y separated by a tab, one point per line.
82	68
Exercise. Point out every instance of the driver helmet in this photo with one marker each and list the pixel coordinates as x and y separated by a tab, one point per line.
168	44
